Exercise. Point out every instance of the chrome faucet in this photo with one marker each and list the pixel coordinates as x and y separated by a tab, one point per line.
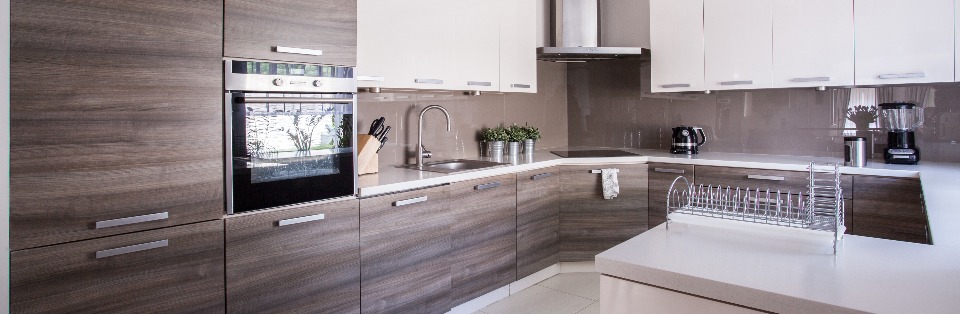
422	151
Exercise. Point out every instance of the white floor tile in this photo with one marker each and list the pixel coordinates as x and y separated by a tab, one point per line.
585	285
537	299
592	309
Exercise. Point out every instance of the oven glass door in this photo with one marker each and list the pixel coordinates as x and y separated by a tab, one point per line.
290	148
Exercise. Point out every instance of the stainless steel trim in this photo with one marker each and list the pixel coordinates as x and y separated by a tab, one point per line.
541	176
674	85
428	81
487	186
520	85
410	201
811	79
596	171
132	249
228	150
729	83
769	178
299	220
902	75
475	83
299	51
668	170
303	100
131	220
370	78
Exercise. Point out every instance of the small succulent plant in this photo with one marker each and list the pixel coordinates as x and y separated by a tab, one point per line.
516	133
532	132
496	134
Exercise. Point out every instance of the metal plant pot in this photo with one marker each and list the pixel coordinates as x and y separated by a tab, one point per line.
513	149
495	148
529	146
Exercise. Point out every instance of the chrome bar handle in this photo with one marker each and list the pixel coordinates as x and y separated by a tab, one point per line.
728	83
541	176
674	85
410	201
596	171
132	249
487	186
299	51
768	178
131	220
363	78
668	170
476	83
299	220
902	75
428	81
520	85
811	79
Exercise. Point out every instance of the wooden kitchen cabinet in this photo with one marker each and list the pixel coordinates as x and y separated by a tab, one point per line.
518	46
676	36
170	270
300	259
484	235
116	117
405	245
813	43
590	224
737	42
888	208
538	220
323	32
660	177
763	179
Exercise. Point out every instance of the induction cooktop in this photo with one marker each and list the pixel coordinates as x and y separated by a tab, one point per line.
592	153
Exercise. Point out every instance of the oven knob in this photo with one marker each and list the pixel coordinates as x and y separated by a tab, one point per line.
317	83
278	82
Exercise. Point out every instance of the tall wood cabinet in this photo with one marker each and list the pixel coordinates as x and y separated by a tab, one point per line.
538	220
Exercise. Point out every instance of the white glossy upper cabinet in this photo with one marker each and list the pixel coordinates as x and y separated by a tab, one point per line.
904	41
676	39
738	41
813	43
518	46
956	40
477	44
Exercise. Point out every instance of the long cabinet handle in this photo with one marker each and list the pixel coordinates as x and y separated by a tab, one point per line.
902	75
541	176
674	85
370	78
131	220
768	178
668	170
428	81
299	51
520	85
410	201
487	186
727	83
300	220
132	248
811	79
302	100
476	83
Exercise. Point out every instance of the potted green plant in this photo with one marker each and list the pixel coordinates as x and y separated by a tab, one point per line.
494	137
516	135
533	135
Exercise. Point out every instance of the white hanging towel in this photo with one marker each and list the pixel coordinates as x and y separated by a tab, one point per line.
611	186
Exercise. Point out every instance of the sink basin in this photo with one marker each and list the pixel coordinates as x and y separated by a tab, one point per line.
457	165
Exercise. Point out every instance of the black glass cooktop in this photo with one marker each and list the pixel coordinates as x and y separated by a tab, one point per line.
592	153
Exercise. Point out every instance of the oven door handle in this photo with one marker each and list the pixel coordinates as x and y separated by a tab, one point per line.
274	100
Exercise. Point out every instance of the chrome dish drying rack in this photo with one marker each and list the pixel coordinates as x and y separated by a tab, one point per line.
820	209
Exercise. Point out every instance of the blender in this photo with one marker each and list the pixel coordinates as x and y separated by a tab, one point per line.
900	120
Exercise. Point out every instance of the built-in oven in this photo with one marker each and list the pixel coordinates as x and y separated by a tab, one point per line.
289	133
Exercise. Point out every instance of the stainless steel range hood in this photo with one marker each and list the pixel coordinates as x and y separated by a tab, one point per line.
576	35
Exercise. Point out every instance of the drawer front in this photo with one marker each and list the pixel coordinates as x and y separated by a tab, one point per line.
171	270
590	224
484	236
661	176
785	181
302	259
538	220
404	250
889	208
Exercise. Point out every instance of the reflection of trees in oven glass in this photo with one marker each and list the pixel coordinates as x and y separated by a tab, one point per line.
343	131
258	128
299	168
301	130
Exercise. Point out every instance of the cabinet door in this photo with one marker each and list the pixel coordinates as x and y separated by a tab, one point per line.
292	30
813	43
904	41
518	46
738	40
775	180
477	45
661	176
171	270
888	208
484	233
99	144
538	220
676	36
303	259
590	224
404	251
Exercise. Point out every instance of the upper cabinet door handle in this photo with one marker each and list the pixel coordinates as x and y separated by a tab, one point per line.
541	176
370	78
811	79
668	170
475	83
299	51
428	81
410	201
487	186
299	220
902	75
770	178
520	85
131	220
674	85
728	83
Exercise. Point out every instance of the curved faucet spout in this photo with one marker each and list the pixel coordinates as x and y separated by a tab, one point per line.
421	151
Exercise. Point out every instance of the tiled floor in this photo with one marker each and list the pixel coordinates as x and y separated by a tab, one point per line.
570	293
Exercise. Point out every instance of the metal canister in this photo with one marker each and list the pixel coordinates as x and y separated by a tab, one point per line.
854	151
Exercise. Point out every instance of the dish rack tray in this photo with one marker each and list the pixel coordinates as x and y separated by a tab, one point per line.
819	209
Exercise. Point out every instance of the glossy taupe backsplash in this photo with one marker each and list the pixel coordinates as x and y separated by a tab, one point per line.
546	110
610	104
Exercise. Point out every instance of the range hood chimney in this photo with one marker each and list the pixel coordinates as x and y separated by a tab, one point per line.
576	34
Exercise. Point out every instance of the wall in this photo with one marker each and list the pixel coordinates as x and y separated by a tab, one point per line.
546	110
5	156
610	105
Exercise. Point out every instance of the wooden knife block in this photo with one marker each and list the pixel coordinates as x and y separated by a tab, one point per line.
367	158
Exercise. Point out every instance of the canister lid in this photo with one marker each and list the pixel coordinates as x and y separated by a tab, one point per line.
854	139
897	105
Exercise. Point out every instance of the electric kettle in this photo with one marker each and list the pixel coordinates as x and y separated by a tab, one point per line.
687	140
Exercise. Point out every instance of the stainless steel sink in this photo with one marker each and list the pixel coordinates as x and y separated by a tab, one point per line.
457	165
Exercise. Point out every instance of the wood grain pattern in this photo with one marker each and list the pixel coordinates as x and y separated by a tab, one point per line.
659	186
308	267
404	253
888	208
590	224
538	221
254	27
115	112
184	277
794	181
484	235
